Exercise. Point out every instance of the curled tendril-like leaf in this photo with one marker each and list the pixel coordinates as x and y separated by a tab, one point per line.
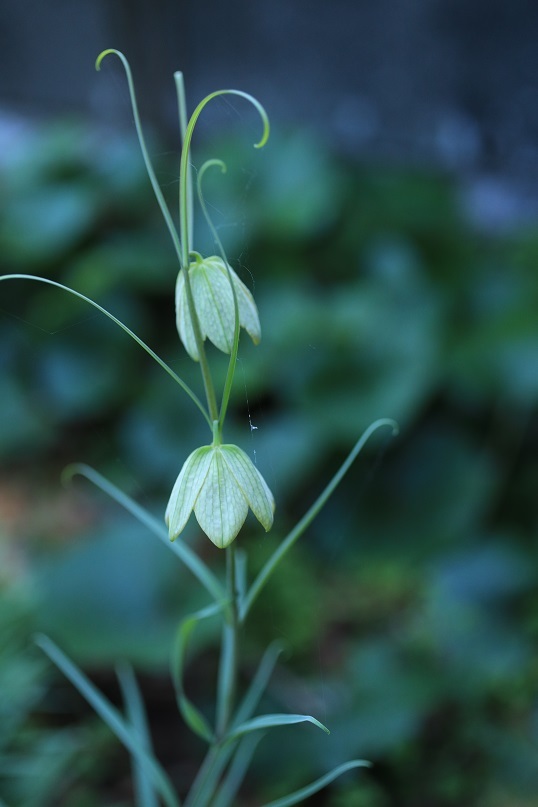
183	175
149	167
184	226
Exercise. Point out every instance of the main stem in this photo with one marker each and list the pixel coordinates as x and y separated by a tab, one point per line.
186	226
228	656
219	753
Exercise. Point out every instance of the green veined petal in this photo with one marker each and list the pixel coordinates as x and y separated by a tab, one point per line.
183	319
249	318
255	489
186	489
221	507
214	304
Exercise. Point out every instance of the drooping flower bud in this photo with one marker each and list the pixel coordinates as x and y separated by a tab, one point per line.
213	301
219	483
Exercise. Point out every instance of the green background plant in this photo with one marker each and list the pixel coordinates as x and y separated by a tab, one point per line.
377	298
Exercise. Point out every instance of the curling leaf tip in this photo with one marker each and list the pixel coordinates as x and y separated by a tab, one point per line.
105	53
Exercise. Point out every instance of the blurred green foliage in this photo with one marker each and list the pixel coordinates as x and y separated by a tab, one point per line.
409	610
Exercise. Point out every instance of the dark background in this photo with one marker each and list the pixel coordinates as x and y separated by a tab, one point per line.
444	80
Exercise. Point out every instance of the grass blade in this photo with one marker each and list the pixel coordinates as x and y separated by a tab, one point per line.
218	758
111	717
311	513
319	784
236	773
271	721
259	683
146	796
184	552
194	398
192	716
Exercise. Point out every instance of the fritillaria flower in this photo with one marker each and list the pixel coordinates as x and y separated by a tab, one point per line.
220	483
214	304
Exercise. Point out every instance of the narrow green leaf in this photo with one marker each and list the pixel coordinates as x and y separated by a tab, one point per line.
271	721
111	717
146	795
192	716
208	775
184	164
127	330
237	771
319	784
258	683
226	676
189	558
240	559
143	148
218	757
311	513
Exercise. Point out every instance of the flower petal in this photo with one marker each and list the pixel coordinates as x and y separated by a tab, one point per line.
214	303
183	318
252	484
186	489
221	508
248	313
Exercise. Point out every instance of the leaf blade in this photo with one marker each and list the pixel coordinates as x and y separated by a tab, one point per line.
236	772
273	721
110	715
309	790
259	683
191	714
146	795
184	552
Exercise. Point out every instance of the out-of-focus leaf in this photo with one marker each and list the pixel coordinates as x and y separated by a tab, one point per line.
42	226
112	718
319	784
106	590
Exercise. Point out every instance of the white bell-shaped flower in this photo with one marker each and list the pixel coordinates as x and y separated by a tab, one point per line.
214	304
220	483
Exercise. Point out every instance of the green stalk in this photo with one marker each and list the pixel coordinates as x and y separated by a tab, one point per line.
149	167
184	228
198	794
228	658
181	246
183	122
235	346
220	752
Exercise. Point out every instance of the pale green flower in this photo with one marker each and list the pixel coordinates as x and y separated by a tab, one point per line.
213	301
219	483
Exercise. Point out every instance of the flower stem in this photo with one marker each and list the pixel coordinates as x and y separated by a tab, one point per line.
228	657
185	223
183	122
220	752
185	226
